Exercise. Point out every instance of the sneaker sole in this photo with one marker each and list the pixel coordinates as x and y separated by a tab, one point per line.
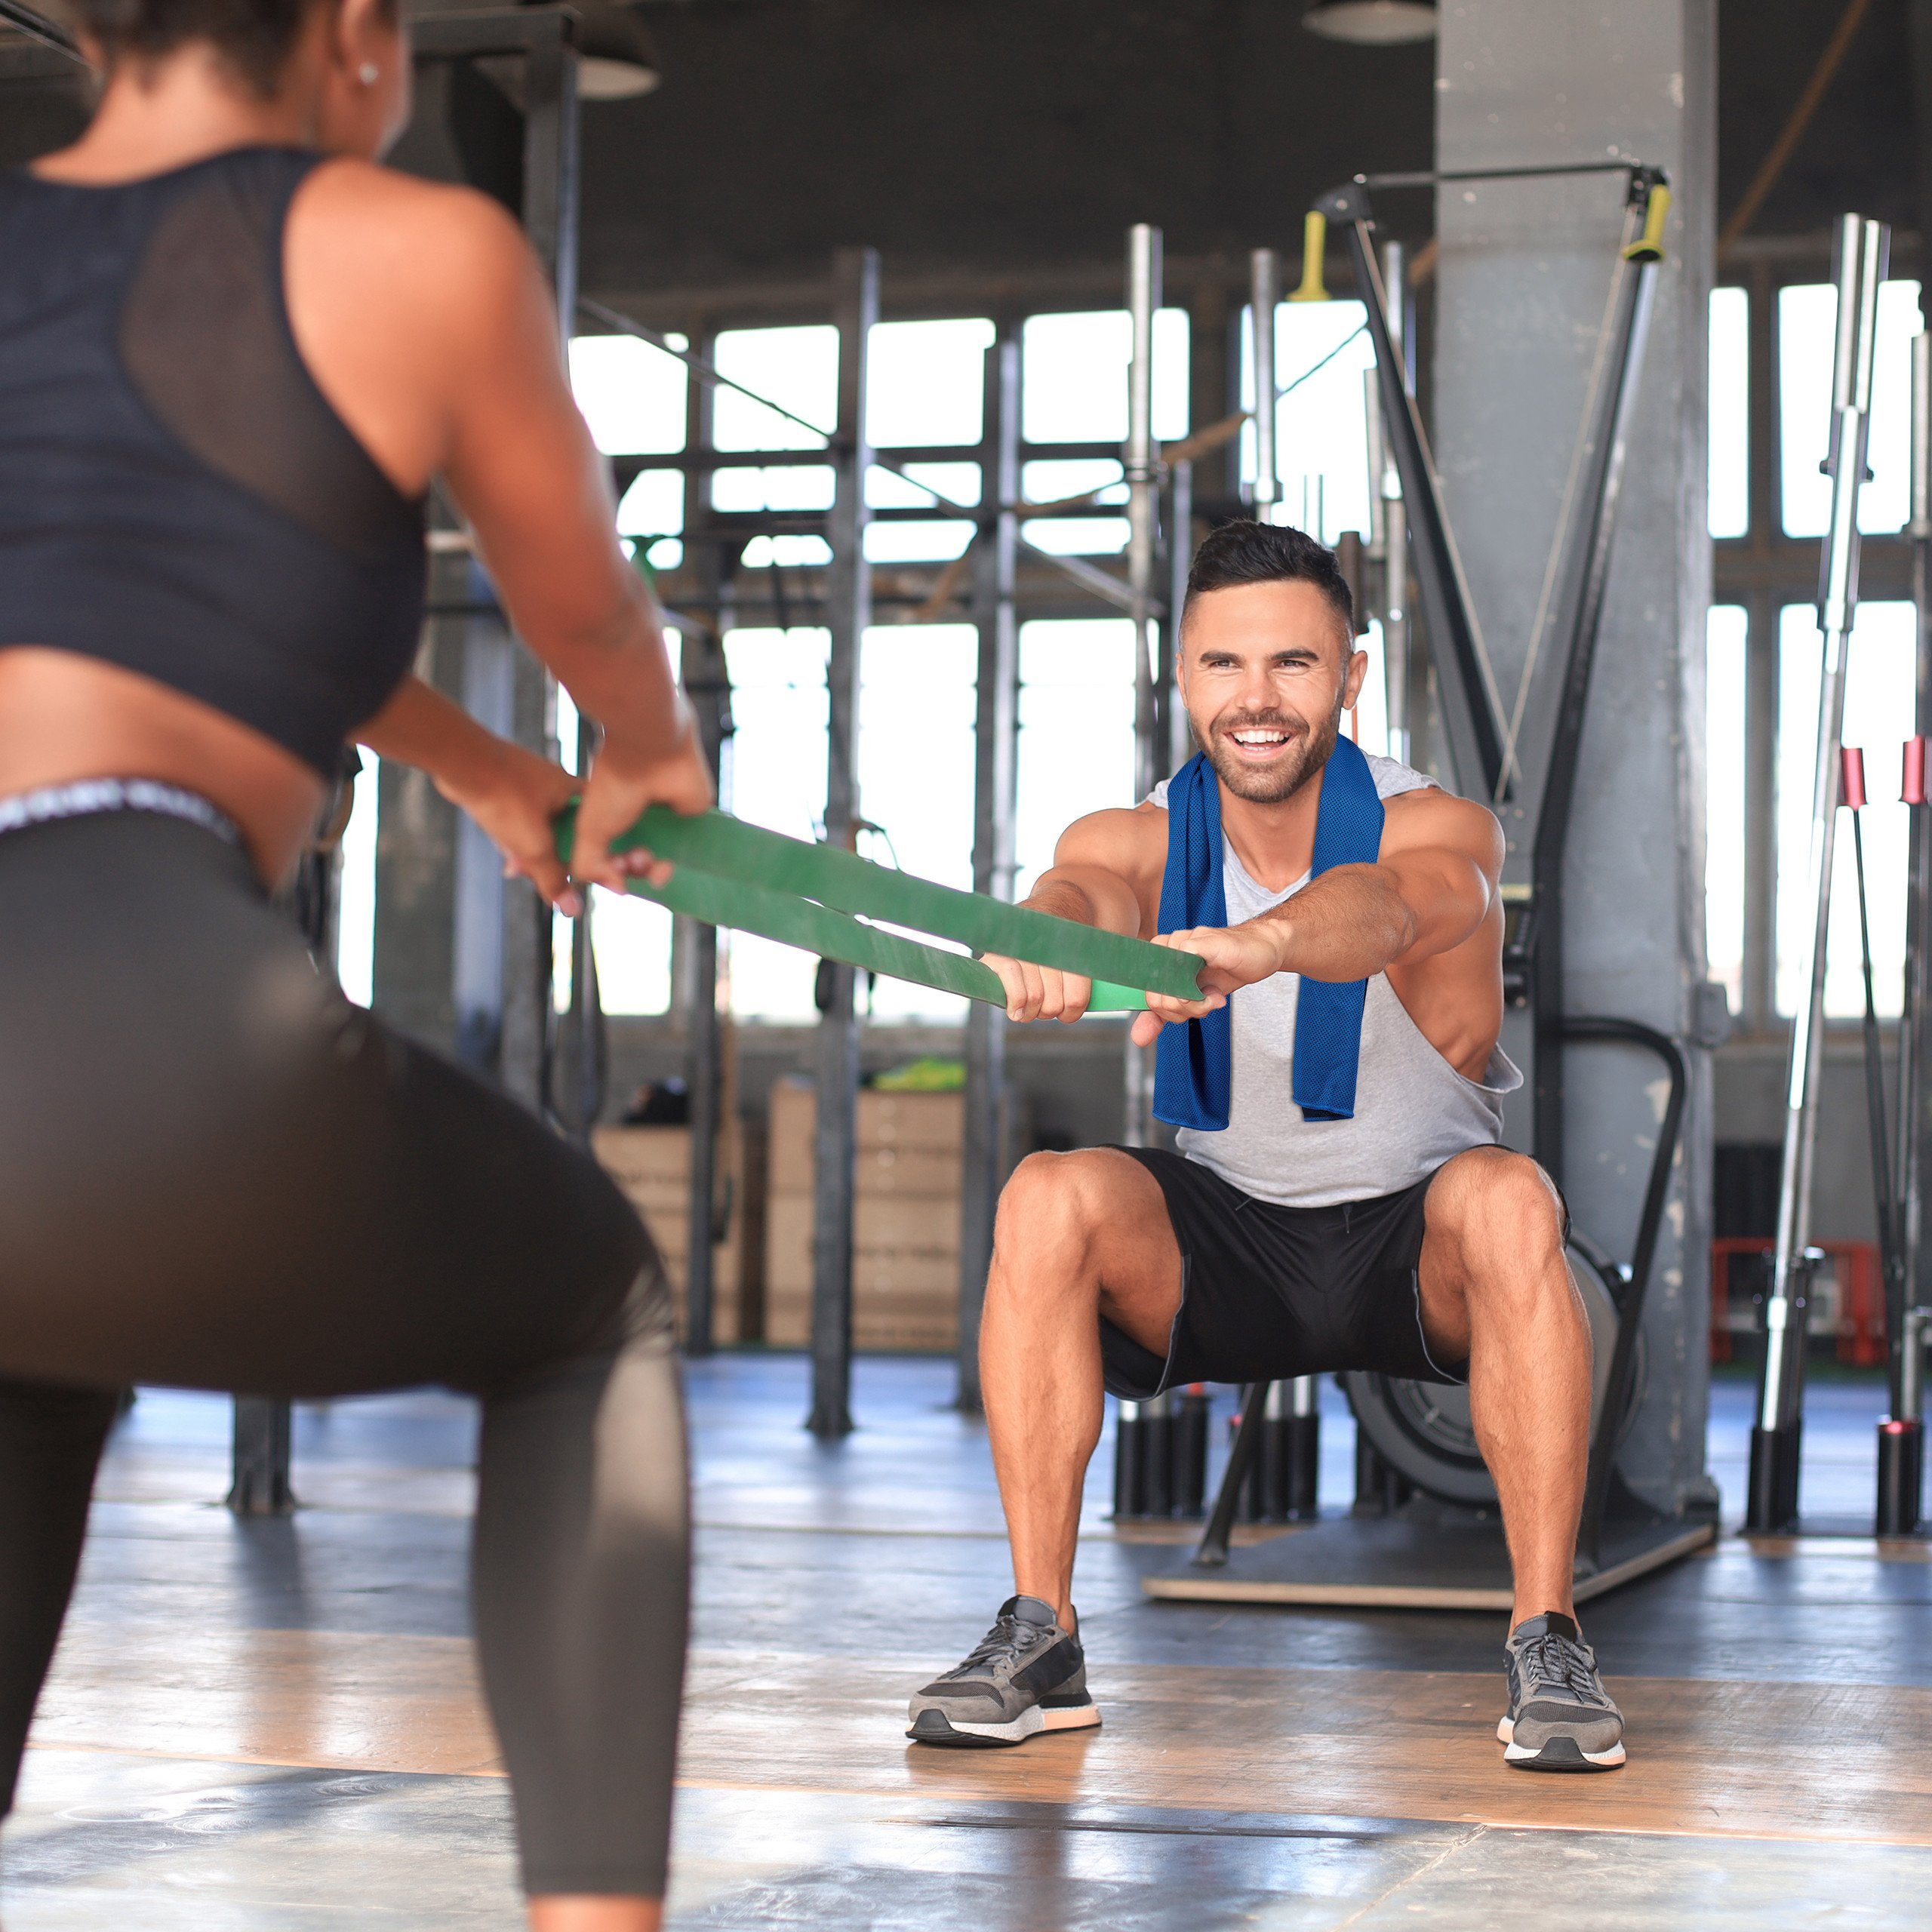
1559	1754
936	1727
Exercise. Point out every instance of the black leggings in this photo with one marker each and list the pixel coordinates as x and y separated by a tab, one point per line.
217	1173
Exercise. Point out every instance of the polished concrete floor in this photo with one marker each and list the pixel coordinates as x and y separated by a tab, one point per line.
255	1727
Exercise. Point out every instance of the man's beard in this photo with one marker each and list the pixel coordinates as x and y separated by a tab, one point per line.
1302	758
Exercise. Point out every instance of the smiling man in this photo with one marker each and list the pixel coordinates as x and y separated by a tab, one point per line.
1338	1200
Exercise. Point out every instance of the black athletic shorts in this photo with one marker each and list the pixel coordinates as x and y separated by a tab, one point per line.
1269	1292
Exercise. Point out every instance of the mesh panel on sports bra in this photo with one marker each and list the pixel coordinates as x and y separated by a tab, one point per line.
205	340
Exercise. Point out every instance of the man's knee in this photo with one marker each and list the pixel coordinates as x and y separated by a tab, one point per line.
1053	1208
1493	1204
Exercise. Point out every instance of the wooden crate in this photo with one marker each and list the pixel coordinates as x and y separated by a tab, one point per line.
653	1165
926	1130
906	1219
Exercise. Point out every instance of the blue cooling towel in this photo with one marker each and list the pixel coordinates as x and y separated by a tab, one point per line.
1194	1064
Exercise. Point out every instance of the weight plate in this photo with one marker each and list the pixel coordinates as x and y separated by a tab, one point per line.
1422	1429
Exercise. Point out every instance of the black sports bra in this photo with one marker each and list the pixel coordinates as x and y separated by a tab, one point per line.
177	495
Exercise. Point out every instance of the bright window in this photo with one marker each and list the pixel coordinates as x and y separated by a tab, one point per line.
632	395
1877	717
1370	721
1725	681
1076	730
776	759
1807	322
355	901
957	482
1730	413
779	487
921	542
926	382
797	551
1077	536
915	772
653	505
797	368
1321	426
1074	376
1057	479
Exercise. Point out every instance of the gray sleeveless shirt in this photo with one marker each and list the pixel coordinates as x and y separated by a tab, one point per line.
1414	1111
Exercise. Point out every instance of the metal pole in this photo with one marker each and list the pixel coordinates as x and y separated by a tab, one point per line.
1472	705
1264	296
1180	557
696	946
481	944
1863	247
1142	468
848	598
1902	1436
996	748
1395	531
550	178
260	1457
704	666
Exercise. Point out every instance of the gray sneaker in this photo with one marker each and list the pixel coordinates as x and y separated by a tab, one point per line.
1025	1676
1560	1717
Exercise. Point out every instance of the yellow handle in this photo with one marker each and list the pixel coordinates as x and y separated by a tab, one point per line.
1314	248
1648	246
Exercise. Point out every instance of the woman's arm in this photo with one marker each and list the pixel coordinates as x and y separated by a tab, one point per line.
512	794
536	492
426	319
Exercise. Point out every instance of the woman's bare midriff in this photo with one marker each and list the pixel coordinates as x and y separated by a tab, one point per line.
64	717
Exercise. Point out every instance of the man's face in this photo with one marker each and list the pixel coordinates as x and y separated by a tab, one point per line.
1266	673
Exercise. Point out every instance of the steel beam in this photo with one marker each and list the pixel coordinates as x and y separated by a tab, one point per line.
260	1457
1264	296
1394	532
1863	250
849	601
996	745
696	946
1143	466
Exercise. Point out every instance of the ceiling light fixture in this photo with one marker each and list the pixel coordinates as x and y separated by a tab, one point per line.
1372	23
616	59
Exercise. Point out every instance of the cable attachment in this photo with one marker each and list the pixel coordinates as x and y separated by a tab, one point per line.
1648	246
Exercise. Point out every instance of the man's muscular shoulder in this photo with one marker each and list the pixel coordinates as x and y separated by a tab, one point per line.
1431	817
1128	840
1129	843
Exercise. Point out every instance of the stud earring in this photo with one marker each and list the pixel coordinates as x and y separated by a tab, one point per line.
368	73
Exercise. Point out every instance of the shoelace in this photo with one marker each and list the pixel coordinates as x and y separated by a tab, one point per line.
1007	1638
1555	1660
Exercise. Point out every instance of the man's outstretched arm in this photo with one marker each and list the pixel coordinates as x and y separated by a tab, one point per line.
1095	880
1431	889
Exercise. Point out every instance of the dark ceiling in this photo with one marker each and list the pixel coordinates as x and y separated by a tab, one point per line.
985	138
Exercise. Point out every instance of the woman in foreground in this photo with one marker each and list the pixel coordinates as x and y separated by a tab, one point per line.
233	352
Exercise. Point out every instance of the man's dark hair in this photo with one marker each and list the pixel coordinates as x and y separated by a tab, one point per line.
1245	552
254	37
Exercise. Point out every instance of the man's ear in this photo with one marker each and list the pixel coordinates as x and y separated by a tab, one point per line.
1354	677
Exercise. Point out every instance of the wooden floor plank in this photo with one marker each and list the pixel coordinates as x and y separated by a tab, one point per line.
1780	1760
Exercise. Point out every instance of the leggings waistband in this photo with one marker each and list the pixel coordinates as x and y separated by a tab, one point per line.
86	797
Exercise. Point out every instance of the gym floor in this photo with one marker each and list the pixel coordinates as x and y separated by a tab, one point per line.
257	1728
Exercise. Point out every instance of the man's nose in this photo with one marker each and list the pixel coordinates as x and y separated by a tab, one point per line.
1257	690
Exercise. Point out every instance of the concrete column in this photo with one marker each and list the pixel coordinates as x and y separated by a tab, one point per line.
1524	272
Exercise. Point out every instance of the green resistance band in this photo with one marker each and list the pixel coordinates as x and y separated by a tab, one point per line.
816	897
